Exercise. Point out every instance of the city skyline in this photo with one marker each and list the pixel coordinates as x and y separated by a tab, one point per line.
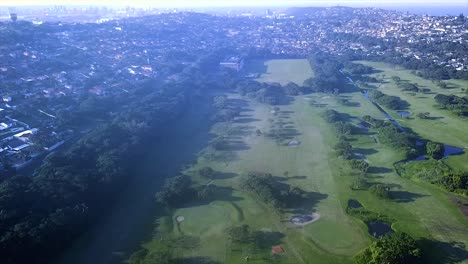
207	3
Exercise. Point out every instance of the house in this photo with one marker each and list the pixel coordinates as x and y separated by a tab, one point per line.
234	63
24	136
17	145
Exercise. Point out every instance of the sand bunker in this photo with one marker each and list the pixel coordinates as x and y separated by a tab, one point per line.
294	143
302	220
180	218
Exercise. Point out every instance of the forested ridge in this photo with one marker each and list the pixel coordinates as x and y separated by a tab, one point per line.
41	215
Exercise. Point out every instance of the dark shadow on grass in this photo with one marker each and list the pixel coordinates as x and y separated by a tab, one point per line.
231	144
245	120
195	260
286	178
241	131
266	239
237	103
404	196
365	151
307	204
373	169
225	175
216	193
435	117
443	252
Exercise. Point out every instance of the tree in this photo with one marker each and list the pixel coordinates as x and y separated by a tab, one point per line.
159	253
14	17
207	172
380	190
397	248
396	79
240	234
435	150
360	165
442	85
175	191
331	116
359	183
343	129
344	149
220	101
206	192
423	115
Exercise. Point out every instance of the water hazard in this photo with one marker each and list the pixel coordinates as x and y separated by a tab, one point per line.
379	229
449	150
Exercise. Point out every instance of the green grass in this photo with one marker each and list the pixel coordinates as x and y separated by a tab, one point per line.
421	210
445	128
282	71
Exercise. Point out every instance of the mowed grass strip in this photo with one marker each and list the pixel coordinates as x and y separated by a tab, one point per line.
282	71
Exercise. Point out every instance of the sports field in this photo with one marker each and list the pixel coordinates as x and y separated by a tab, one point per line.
282	71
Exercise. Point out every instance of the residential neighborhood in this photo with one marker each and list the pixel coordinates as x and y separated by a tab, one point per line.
52	72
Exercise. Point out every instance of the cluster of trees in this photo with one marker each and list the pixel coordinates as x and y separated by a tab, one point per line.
270	190
176	191
331	116
380	190
358	69
424	68
436	172
328	77
73	188
360	165
456	104
389	134
397	248
344	149
435	150
44	213
270	93
335	118
389	101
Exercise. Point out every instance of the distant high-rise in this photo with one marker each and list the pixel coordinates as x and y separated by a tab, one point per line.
13	17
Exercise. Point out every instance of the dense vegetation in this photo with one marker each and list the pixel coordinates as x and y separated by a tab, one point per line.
391	102
270	93
390	135
435	172
458	105
357	69
398	248
328	77
270	190
73	188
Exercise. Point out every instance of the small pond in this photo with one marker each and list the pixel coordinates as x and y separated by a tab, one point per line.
378	229
403	113
354	204
451	150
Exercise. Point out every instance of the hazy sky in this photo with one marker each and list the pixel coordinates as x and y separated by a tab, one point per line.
192	3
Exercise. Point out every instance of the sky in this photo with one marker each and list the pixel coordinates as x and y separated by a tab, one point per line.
203	3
